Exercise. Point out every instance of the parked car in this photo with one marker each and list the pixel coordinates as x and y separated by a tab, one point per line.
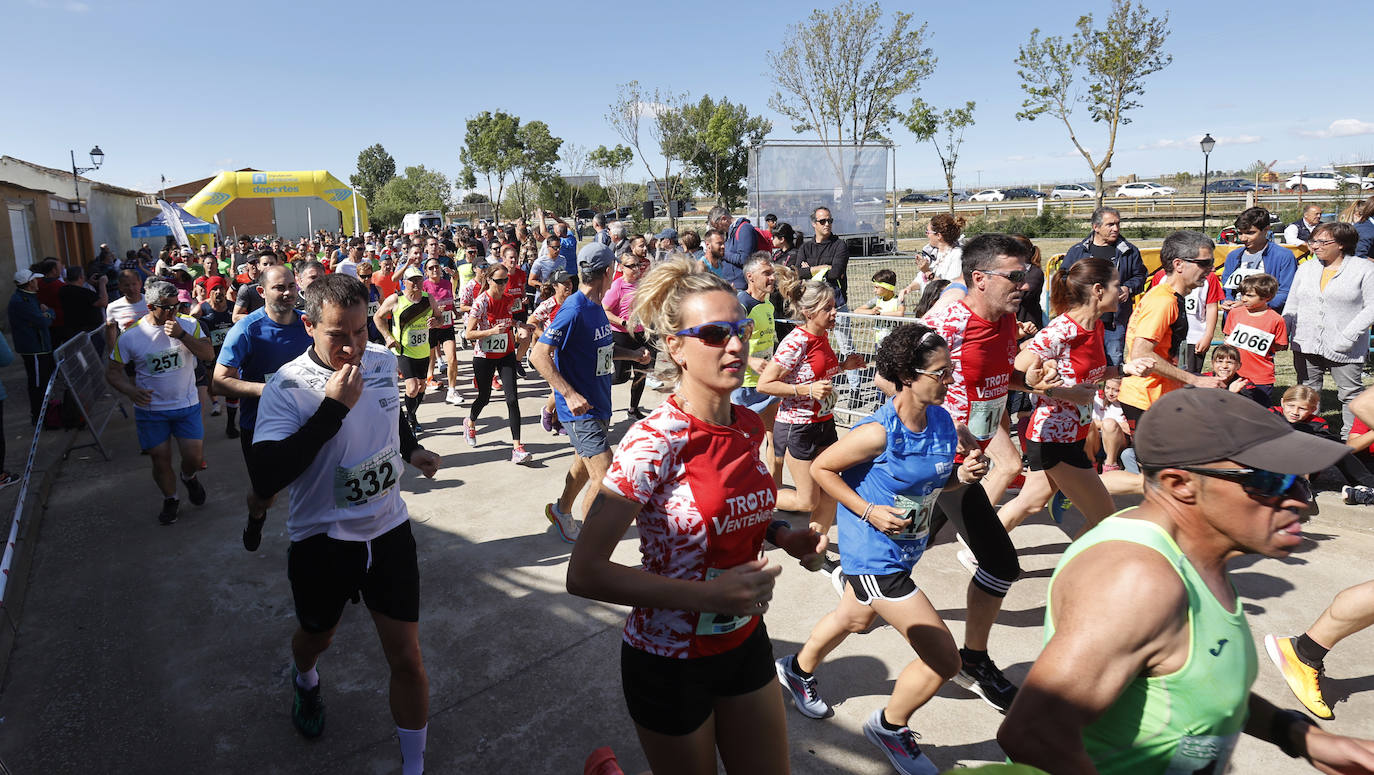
1073	191
616	215
1145	189
918	197
1316	181
1356	180
960	195
1023	193
1229	186
989	195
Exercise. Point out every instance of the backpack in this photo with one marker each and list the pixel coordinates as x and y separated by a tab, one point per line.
763	241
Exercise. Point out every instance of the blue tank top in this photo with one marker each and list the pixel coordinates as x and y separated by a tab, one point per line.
910	474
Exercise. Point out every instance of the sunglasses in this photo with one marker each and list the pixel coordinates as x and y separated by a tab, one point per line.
633	264
718	332
1257	481
941	375
500	280
825	221
1017	276
164	306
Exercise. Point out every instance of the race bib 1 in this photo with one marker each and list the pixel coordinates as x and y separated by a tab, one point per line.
1240	273
496	343
1250	339
918	511
985	416
1202	753
605	360
1085	414
368	481
163	361
417	337
827	404
718	624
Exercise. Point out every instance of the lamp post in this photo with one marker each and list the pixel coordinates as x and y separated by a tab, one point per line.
97	158
1207	145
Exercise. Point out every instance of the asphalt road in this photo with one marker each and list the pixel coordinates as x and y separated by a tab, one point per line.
165	649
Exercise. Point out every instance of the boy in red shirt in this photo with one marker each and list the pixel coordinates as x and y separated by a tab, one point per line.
1257	332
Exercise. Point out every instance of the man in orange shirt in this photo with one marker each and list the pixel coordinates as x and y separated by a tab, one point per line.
382	278
1159	328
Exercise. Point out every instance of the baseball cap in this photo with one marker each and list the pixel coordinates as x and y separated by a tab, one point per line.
594	256
560	277
184	297
180	265
24	276
187	252
1205	425
413	271
668	233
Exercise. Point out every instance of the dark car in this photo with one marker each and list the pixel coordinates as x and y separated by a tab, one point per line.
918	197
1023	193
1229	186
586	214
616	215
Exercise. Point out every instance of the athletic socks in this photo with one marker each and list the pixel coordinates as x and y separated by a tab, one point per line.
975	657
412	749
1309	651
796	668
187	478
888	725
412	403
308	679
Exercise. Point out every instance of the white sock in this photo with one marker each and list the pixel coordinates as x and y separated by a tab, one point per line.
413	749
308	679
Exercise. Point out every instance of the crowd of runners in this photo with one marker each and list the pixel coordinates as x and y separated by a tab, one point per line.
321	354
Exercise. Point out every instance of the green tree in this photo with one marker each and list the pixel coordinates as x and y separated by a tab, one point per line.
945	130
713	140
474	198
375	168
840	74
491	149
418	189
535	159
1104	69
612	164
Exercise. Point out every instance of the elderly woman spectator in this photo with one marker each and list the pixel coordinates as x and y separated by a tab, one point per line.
30	321
1329	311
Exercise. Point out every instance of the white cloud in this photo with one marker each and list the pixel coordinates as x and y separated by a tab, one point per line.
1192	142
72	6
1341	127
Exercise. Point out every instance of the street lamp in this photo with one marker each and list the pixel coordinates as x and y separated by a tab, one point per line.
1207	145
97	158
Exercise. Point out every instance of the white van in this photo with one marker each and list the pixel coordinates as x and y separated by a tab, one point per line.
422	221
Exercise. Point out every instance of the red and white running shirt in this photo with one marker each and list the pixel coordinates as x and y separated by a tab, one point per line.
805	358
982	353
1078	355
545	311
488	312
706	502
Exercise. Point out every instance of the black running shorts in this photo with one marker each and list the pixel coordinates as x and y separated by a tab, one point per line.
804	440
676	696
413	368
1044	455
889	586
326	573
438	336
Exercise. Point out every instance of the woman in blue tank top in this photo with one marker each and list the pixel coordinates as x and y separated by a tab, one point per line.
885	475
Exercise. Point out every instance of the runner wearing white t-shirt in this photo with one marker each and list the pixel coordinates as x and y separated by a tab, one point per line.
163	348
329	428
124	312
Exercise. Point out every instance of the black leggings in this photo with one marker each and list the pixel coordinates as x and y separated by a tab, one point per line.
39	368
483	369
1353	471
629	369
976	520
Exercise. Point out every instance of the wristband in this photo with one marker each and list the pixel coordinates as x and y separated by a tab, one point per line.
770	533
868	510
1279	727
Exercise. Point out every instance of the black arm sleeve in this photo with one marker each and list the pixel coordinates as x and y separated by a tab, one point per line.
272	465
408	441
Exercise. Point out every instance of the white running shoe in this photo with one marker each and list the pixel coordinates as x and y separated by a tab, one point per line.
453	397
519	454
566	526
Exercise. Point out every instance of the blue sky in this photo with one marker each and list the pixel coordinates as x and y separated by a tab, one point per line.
187	89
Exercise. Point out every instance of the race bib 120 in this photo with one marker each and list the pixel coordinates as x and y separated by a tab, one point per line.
718	624
496	343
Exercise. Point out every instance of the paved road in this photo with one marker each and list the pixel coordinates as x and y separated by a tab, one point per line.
164	649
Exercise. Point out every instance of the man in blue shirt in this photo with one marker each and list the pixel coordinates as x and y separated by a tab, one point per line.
567	242
575	356
253	350
1257	254
1106	243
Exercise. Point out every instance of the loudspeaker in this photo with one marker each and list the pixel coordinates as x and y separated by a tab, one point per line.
648	211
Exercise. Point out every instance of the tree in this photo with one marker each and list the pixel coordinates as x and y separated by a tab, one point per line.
846	75
491	149
375	168
575	156
713	140
628	110
612	163
475	198
418	189
926	123
537	152
1104	69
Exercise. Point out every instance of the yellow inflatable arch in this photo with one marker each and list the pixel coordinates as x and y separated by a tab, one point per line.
269	185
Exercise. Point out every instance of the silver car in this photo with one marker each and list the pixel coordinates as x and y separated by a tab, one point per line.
1073	191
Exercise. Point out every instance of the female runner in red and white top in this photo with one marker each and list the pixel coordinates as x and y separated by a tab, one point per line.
561	286
492	330
696	661
801	372
1071	347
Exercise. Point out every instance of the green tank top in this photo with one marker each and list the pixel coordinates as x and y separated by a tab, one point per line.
1189	721
414	337
763	340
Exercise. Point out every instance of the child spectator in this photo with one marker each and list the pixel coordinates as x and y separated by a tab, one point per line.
886	302
1257	332
1299	407
1226	367
1111	432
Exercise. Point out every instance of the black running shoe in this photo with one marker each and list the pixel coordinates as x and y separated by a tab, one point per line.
231	429
986	680
520	370
307	709
169	511
195	491
252	533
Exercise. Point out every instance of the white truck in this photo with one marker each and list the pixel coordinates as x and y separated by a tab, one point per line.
424	220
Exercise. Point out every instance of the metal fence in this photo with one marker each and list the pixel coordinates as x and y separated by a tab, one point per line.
856	395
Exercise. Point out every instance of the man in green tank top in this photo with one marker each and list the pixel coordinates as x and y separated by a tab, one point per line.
1148	659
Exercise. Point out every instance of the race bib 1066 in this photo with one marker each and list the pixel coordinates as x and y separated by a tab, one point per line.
1250	339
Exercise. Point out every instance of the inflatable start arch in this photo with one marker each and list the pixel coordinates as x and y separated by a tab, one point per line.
269	185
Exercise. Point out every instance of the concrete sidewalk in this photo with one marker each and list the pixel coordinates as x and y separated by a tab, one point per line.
165	649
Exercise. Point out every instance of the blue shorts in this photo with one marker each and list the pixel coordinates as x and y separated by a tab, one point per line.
157	425
588	435
752	399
